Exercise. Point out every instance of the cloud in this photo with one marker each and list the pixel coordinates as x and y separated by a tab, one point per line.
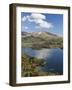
26	27
43	24
24	18
39	20
38	16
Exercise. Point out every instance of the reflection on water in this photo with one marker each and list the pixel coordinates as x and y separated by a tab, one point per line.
53	57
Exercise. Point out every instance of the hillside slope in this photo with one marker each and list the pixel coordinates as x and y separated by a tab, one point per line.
41	40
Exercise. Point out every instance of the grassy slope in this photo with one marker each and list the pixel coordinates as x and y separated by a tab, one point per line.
42	41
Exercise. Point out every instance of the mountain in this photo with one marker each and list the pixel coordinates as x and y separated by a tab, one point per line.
41	40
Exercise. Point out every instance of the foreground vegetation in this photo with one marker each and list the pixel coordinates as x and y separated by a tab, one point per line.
31	67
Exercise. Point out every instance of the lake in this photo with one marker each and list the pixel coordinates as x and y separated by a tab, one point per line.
53	58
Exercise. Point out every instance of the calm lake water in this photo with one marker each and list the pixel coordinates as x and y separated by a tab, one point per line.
53	58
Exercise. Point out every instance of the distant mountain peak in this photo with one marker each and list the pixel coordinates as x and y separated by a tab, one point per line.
40	34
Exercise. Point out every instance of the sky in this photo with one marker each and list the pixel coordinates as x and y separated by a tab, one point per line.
40	22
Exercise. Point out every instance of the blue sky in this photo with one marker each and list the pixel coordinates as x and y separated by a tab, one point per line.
39	22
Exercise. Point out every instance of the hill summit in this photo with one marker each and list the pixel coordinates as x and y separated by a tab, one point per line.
41	40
